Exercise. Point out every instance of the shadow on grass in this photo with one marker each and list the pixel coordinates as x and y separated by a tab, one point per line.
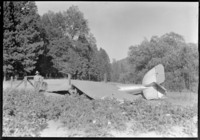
61	92
64	92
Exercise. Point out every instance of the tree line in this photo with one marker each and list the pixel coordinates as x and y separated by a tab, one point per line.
60	43
180	60
54	44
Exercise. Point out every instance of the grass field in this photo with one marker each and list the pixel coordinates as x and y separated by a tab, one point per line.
52	84
182	98
176	98
55	128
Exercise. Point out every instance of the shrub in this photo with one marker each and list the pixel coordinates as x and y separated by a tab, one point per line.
25	113
22	113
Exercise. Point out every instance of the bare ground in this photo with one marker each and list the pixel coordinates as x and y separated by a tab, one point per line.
55	129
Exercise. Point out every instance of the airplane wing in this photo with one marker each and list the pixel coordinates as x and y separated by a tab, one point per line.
100	90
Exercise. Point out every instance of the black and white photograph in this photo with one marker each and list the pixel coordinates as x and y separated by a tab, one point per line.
100	69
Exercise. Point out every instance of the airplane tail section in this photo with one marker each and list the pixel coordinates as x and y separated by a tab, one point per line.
150	87
156	75
153	79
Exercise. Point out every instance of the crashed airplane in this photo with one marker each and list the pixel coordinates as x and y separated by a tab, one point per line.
150	87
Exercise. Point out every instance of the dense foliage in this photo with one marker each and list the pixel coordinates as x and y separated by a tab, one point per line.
22	113
56	44
119	70
180	60
71	48
26	113
22	41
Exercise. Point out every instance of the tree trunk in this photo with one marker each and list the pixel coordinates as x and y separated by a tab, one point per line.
4	76
25	82
11	81
105	77
189	81
69	78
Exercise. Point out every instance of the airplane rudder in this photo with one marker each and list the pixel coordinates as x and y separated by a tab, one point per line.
149	77
156	74
160	74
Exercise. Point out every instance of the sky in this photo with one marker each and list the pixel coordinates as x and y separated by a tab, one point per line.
118	25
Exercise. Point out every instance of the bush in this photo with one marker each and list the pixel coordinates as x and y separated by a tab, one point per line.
160	118
22	113
25	113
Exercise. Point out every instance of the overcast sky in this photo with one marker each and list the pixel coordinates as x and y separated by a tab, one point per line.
118	25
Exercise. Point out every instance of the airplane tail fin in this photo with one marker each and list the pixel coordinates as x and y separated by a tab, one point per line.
153	79
156	75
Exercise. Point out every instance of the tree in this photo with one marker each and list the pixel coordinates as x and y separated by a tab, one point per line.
22	43
115	71
52	25
75	23
189	62
180	60
94	70
92	41
105	66
62	55
68	45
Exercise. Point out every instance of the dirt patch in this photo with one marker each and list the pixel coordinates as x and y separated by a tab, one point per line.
55	129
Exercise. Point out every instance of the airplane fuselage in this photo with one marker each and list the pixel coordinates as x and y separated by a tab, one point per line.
133	89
